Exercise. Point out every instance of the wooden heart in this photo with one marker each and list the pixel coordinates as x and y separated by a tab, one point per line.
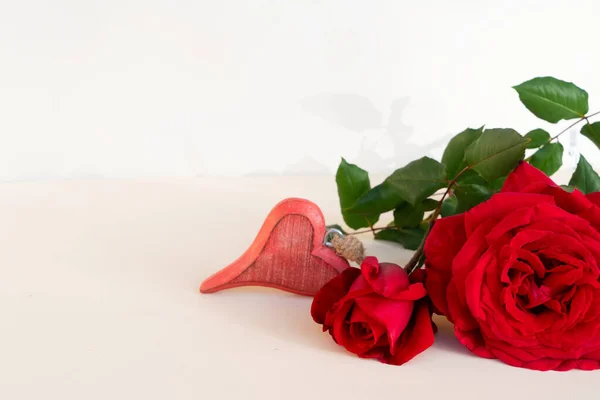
287	254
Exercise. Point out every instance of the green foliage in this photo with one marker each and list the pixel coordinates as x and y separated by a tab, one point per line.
592	132
473	167
585	178
468	196
496	152
352	183
498	183
471	177
418	180
552	99
380	199
408	216
429	204
548	159
537	137
568	188
454	155
409	238
449	207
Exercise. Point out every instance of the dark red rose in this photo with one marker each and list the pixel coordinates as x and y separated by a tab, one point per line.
377	311
518	274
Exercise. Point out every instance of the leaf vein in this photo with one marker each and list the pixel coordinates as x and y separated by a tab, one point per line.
500	152
552	102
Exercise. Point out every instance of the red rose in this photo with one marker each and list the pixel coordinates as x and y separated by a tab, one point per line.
518	274
376	311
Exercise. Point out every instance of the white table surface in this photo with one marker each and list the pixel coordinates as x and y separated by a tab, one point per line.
99	300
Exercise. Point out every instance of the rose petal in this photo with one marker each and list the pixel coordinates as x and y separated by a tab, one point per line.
360	287
595	354
594	198
473	341
547	364
500	324
541	365
583	364
418	336
339	329
467	257
414	292
524	175
393	314
522	354
358	315
573	202
458	312
499	206
446	239
444	242
380	351
386	279
592	214
331	293
436	285
417	276
518	218
473	285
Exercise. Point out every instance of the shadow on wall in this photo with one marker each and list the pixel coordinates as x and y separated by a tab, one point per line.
357	114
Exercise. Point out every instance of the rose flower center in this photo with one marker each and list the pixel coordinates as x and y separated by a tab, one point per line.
550	288
361	330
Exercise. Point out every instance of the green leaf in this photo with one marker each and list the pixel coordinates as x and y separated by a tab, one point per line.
498	183
429	204
537	138
592	132
471	177
382	198
585	178
449	206
568	188
548	159
352	183
552	99
409	238
408	216
418	180
496	153
336	226
454	154
468	196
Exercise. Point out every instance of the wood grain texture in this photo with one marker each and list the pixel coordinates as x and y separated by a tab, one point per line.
287	254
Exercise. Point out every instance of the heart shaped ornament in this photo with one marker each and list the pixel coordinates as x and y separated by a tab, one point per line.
288	254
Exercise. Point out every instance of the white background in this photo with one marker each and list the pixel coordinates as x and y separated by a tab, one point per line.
99	289
138	88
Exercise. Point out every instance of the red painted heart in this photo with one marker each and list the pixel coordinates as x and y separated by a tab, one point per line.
287	254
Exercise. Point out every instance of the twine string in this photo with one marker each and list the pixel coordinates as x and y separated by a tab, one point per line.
348	247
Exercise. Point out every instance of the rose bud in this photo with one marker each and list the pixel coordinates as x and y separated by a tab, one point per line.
377	311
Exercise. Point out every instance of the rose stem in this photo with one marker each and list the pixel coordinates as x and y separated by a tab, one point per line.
414	260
